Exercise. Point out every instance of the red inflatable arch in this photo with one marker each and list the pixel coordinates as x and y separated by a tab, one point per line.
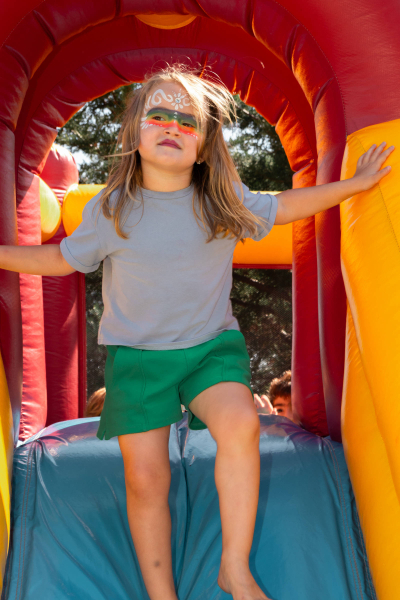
318	70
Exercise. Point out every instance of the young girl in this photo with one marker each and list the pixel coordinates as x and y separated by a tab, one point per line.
166	227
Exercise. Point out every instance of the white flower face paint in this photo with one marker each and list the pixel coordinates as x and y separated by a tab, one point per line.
180	100
176	100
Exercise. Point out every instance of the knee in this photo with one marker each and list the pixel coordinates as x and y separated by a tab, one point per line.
147	482
242	428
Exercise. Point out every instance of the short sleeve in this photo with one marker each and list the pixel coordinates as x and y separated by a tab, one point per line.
83	250
264	206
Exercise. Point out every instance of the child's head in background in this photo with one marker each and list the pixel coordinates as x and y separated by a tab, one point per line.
280	395
173	126
95	403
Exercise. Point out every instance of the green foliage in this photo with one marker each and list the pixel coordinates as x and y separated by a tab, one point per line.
261	299
96	354
94	130
258	153
262	303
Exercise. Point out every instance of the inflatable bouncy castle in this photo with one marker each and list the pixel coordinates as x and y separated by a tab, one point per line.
325	74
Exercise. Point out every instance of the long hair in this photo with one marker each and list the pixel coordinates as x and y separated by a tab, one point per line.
216	203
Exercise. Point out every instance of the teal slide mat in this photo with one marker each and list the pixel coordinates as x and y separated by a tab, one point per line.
70	534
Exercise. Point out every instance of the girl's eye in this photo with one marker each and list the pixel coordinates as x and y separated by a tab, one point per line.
158	118
190	125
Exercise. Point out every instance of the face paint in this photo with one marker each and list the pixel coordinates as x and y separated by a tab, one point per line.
164	117
176	100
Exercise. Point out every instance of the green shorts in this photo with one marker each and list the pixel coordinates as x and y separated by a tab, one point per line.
145	388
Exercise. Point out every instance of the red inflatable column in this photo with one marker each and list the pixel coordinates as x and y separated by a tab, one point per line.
34	396
332	315
331	140
10	307
307	390
64	312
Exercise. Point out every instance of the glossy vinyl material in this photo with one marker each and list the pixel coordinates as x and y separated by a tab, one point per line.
64	323
283	72
307	389
317	70
370	472
34	390
371	411
322	81
71	536
6	461
75	200
50	211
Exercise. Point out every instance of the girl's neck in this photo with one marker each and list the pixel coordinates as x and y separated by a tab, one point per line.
157	180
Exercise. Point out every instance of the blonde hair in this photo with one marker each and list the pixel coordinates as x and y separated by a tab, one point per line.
215	202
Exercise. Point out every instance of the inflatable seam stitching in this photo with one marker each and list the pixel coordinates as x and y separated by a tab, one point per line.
23	527
40	20
364	557
383	200
349	541
20	21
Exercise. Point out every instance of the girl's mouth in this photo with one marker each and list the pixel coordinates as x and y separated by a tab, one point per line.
169	143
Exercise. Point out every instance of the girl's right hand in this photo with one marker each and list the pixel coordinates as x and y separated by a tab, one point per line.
369	171
263	405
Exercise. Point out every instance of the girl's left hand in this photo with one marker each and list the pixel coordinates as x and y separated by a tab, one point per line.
369	172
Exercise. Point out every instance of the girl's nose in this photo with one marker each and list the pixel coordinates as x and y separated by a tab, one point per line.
173	130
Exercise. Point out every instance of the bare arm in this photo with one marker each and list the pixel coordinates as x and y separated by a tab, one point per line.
35	260
301	203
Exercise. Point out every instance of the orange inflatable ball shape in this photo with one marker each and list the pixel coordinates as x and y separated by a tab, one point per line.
50	211
166	21
75	200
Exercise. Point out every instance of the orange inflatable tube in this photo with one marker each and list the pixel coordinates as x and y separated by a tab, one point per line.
371	410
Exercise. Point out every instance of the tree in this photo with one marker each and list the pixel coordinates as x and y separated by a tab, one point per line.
258	153
94	131
261	299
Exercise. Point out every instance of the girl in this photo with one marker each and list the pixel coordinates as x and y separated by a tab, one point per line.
166	227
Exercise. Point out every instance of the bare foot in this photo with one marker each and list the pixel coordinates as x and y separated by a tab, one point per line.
238	581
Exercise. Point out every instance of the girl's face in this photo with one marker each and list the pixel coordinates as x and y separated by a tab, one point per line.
169	134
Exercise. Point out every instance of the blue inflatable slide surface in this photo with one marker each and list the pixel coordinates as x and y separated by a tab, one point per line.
70	534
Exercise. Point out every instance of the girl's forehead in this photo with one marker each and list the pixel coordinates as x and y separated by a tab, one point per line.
168	95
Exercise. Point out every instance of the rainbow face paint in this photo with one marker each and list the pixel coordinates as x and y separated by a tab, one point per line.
165	117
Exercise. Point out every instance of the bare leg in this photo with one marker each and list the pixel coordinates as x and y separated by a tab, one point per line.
147	479
231	416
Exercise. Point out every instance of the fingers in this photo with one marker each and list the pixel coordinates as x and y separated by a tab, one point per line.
380	154
258	402
366	156
383	172
376	153
384	155
267	403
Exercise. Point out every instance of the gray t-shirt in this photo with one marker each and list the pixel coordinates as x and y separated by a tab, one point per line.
163	288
